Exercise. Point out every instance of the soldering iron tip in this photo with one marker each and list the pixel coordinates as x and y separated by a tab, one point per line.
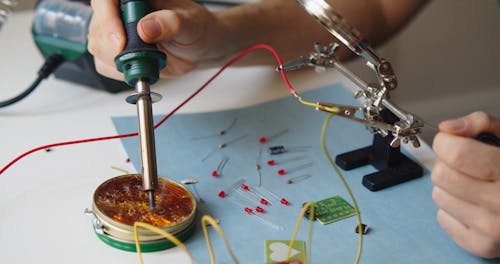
151	194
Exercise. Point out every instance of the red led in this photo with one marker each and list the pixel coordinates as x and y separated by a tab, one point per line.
271	162
282	172
284	201
260	209
222	194
248	210
127	160
215	173
264	201
263	140
245	187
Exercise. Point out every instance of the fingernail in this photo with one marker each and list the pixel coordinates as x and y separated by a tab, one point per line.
454	125
151	28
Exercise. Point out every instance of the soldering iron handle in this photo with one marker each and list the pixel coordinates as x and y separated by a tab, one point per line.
488	138
139	60
132	12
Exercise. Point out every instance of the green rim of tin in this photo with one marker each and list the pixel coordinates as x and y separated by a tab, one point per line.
149	246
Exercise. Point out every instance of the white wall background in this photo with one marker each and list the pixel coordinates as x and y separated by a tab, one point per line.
448	60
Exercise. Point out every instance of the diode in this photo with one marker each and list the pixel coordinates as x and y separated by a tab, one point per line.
261	219
264	140
273	162
282	200
260	197
229	189
298	178
282	172
220	133
218	171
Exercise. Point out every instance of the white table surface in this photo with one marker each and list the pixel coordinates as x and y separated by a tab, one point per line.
43	196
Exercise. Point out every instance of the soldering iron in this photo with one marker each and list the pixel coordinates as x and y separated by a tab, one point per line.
141	64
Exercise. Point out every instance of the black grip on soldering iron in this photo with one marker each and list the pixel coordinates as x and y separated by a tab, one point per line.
139	60
488	138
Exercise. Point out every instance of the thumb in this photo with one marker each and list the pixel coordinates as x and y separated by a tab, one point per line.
471	125
158	26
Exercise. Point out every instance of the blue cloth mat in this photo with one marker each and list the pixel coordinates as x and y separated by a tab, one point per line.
401	218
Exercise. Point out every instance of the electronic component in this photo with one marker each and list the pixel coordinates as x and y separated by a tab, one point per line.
282	172
218	171
277	150
298	178
331	210
280	149
364	229
264	140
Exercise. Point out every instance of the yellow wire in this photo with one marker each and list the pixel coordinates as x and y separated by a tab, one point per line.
346	185
159	231
119	170
211	221
319	106
296	230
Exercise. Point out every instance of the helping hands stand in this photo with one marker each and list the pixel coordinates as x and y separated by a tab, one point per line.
390	124
393	166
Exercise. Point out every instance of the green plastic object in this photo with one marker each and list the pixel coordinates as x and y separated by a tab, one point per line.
50	45
139	60
149	246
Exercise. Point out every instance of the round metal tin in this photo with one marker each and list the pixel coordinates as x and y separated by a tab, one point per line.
121	201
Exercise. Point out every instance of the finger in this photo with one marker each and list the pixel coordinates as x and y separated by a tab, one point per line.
471	215
467	188
474	242
108	70
181	21
468	155
471	125
159	26
106	35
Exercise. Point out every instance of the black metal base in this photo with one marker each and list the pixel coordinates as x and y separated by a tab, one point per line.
404	170
394	167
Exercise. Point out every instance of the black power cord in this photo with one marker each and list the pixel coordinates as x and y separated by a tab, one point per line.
51	64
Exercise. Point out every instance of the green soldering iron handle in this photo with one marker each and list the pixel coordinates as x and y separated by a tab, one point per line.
139	60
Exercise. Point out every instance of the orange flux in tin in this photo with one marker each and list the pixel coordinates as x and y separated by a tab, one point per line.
124	200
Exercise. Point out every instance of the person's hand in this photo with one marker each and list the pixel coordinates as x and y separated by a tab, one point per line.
467	183
181	29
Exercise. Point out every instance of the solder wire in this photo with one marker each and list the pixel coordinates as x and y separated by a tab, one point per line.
206	219
159	231
310	206
344	182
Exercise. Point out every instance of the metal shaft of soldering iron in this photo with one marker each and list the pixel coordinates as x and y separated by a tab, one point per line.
141	63
146	139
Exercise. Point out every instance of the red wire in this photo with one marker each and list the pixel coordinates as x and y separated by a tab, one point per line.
229	63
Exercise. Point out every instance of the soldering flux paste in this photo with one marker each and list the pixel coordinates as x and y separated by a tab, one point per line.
120	202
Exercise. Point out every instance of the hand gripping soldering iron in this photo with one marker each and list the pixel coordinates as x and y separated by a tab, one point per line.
141	64
408	126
